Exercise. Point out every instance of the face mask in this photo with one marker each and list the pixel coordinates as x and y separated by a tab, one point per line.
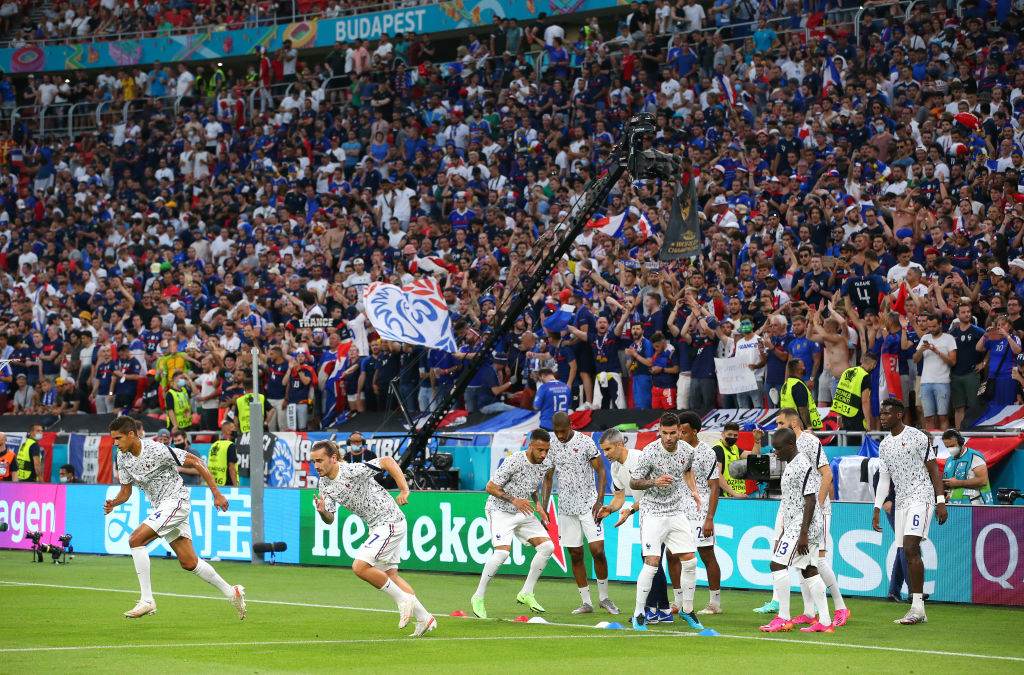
38	437
729	441
180	383
63	479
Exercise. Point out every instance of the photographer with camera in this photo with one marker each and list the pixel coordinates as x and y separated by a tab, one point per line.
29	467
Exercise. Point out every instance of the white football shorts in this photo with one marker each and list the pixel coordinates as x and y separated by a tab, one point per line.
913	519
573	528
505	527
169	519
675	531
383	546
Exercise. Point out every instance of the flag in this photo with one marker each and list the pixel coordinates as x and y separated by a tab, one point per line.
830	76
889	385
725	88
644	227
414	314
682	237
561	318
92	457
609	225
334	387
431	264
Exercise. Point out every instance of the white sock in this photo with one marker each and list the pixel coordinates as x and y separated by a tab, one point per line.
141	558
805	595
418	610
716	598
817	587
602	589
916	601
828	576
688	578
392	589
206	572
491	567
540	559
585	594
643	587
780	584
677	597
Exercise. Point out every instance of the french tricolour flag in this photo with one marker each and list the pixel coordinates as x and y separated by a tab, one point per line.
610	225
725	88
644	227
831	76
558	321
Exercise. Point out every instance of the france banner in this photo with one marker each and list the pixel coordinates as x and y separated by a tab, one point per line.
414	314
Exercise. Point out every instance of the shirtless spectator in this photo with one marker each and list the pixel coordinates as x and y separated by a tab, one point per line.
833	335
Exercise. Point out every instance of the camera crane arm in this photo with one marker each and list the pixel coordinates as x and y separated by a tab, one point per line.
628	155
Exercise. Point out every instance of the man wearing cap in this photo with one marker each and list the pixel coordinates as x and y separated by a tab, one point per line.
720	215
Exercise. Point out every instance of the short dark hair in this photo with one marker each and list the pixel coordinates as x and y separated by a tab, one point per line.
669	419
894	403
731	426
783	436
691	418
67	468
124	424
540	435
330	447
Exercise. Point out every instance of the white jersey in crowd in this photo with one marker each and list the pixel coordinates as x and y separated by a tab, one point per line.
577	491
800	479
809	445
519	478
903	457
356	489
655	461
705	468
622	473
154	471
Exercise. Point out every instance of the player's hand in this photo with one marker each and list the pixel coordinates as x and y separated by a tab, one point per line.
664	480
624	515
940	513
109	505
801	544
708	529
758	435
597	509
697	502
402	498
603	513
221	502
318	504
522	506
543	516
875	525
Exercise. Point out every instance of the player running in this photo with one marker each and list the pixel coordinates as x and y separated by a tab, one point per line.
908	461
153	466
707	471
802	532
354	486
576	459
510	514
660	471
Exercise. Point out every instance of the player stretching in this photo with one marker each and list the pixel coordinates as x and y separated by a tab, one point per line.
376	562
706	471
510	514
576	459
153	467
802	532
660	471
908	460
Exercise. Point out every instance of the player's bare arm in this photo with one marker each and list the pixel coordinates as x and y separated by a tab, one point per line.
193	462
522	505
936	477
810	503
663	480
601	482
691	483
122	496
391	466
547	485
321	508
709	522
541	512
826	483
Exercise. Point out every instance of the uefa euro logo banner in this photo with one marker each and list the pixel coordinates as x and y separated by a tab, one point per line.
415	314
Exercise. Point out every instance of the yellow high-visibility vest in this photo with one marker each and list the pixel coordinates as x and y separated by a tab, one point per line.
786	400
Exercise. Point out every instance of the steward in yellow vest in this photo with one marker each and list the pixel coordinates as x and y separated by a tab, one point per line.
223	458
29	452
727	452
242	408
179	405
797	396
852	400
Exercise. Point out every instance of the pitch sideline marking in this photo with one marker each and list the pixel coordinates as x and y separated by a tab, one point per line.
844	645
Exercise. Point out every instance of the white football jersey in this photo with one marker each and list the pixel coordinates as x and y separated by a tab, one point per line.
154	471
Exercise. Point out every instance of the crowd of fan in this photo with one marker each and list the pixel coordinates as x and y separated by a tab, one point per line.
879	208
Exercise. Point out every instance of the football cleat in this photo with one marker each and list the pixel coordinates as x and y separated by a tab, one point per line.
817	627
423	627
710	609
639	622
770	607
651	615
803	620
911	618
238	600
140	610
478	607
609	606
841	617
692	619
583	609
530	601
778	625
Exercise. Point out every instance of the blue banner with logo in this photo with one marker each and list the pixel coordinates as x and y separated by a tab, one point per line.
221	44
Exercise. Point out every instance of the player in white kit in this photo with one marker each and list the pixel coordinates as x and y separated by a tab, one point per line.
153	467
706	472
802	532
354	486
513	491
576	459
908	461
661	471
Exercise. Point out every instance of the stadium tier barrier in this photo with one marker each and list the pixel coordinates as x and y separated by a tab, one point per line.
974	557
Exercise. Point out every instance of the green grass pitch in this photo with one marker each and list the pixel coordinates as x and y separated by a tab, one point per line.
305	619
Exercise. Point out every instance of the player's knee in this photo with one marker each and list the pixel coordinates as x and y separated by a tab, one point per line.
545	548
686	557
596	551
188	562
576	554
359	567
775	567
810	571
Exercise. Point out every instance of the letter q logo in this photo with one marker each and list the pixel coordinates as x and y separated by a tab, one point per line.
1012	554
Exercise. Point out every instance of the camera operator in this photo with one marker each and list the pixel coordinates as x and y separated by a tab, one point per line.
30	458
